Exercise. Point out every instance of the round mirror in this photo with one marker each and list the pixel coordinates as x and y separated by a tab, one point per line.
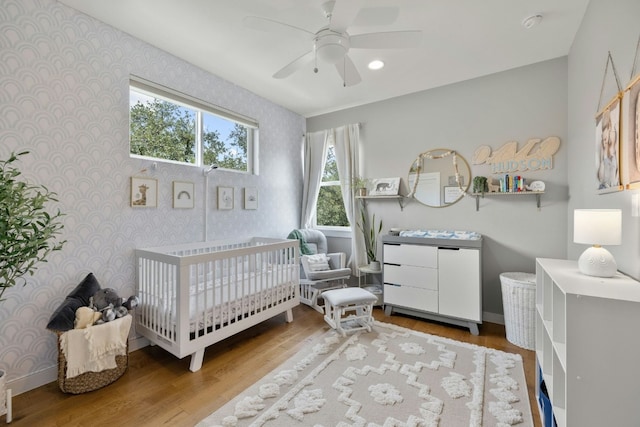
439	178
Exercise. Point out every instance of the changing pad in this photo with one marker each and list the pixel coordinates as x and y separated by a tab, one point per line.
442	234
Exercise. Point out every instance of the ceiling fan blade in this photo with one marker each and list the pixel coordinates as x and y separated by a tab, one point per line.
271	26
294	66
376	16
343	14
348	71
388	40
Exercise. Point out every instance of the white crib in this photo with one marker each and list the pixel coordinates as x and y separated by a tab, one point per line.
194	295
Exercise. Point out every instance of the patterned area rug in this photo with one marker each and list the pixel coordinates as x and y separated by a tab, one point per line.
391	376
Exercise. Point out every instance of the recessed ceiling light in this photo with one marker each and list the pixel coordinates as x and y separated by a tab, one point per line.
376	64
531	21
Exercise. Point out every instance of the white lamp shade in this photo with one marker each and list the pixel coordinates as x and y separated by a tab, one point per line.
597	226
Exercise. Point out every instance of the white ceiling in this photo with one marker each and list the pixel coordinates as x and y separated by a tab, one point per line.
462	39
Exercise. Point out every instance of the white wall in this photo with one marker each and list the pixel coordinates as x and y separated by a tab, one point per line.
608	26
64	97
528	102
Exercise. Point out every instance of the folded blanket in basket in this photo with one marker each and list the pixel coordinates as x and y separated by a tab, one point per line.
94	349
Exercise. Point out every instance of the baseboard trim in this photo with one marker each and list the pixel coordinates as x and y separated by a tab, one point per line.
493	317
47	375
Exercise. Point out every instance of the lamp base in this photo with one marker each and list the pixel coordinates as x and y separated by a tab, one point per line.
597	261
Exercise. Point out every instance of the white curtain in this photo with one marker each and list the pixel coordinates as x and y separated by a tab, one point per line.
346	140
315	155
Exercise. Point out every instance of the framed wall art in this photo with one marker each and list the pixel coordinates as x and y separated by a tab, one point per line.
452	194
144	192
183	195
608	147
225	198
384	187
251	198
631	134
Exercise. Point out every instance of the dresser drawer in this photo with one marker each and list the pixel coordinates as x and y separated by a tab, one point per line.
417	277
410	297
418	255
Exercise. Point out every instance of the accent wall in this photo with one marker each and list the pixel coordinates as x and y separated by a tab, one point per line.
64	97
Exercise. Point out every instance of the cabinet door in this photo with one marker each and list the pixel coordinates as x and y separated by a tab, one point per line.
459	284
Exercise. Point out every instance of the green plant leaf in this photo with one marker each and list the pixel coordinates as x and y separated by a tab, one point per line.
28	232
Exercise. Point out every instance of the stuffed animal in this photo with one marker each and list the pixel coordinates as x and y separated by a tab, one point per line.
111	305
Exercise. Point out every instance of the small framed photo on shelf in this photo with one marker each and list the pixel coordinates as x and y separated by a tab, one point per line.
183	195
250	198
225	198
384	187
144	192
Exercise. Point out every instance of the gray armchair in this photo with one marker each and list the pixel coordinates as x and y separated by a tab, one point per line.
317	276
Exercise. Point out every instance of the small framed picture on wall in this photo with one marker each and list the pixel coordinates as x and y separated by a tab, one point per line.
251	198
225	198
144	192
183	197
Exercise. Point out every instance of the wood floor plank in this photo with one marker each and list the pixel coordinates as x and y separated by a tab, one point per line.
158	389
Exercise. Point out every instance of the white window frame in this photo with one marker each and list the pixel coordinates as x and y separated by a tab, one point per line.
155	90
330	230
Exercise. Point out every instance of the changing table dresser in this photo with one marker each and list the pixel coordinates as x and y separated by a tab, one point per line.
434	275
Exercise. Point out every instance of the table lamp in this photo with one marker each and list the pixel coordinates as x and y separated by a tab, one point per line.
597	227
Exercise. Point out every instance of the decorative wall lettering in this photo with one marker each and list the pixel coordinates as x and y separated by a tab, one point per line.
536	154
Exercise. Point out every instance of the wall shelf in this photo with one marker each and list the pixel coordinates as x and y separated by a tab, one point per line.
402	200
516	193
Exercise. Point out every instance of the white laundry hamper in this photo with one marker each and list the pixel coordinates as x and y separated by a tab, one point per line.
519	303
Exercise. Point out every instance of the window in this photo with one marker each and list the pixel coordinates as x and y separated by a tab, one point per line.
166	125
330	208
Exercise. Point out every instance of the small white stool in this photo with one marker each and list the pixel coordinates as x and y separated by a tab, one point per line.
338	302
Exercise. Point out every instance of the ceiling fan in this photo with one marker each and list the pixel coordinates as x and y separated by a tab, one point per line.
331	43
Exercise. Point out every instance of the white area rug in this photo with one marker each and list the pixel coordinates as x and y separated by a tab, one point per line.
389	377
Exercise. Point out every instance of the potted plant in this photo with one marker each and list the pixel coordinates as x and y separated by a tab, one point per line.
359	186
370	230
28	233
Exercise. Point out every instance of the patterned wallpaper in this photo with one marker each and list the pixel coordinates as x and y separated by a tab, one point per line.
64	97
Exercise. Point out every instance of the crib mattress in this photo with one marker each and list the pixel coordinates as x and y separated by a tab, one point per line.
215	302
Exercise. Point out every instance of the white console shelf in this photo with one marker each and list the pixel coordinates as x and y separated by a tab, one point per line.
587	346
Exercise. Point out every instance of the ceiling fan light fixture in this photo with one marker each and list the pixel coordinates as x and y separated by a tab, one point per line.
376	64
331	47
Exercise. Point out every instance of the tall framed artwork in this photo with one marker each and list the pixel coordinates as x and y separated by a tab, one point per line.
144	192
225	198
607	150
631	134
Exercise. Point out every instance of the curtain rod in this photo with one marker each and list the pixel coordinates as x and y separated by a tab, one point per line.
358	123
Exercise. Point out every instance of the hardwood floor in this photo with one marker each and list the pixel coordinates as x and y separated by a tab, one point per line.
158	389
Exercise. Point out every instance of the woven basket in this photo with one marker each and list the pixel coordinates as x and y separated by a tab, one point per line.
518	299
89	381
